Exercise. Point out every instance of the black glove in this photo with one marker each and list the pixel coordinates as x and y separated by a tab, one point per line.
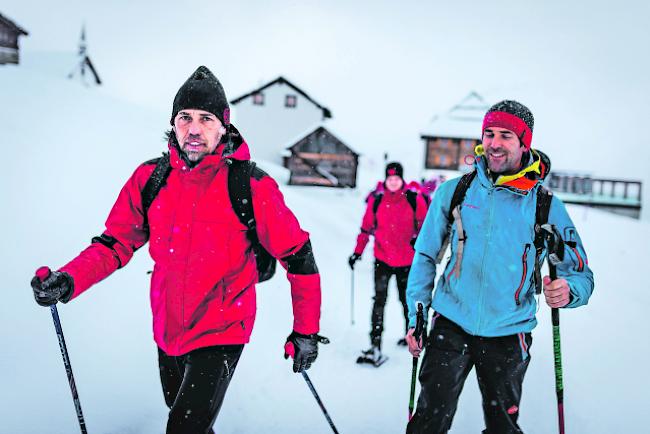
58	286
303	349
352	259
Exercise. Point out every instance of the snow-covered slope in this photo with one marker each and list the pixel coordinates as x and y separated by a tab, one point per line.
68	151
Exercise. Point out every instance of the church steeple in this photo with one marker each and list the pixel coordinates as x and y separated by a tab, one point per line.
84	63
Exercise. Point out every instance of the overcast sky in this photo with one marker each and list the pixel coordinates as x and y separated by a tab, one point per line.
385	68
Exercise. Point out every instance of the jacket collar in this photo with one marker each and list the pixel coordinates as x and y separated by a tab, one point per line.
522	182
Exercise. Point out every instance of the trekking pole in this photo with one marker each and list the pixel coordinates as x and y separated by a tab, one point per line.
352	296
555	256
43	273
320	403
419	331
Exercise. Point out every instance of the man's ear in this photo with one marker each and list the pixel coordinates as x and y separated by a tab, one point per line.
222	130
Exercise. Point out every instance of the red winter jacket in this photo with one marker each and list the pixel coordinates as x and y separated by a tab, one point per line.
203	283
395	227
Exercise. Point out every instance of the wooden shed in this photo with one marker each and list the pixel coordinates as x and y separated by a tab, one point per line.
9	34
318	157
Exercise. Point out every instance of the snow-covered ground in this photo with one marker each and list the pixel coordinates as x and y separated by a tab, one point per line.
68	150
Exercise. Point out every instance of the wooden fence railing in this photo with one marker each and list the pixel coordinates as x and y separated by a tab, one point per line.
598	192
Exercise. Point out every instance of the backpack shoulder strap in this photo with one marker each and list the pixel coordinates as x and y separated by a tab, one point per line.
412	197
542	208
378	196
459	192
241	199
239	190
256	172
456	200
155	182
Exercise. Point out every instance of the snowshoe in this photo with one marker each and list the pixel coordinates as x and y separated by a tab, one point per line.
372	356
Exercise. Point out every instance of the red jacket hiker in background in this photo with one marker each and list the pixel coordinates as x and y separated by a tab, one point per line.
394	222
203	284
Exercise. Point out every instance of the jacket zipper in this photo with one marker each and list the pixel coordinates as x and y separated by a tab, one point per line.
479	315
580	262
523	275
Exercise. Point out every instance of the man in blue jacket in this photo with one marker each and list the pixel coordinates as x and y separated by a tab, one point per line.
484	304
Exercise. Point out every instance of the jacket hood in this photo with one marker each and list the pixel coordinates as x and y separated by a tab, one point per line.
538	167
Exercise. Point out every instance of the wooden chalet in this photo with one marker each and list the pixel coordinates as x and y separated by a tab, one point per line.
273	114
450	139
320	158
9	34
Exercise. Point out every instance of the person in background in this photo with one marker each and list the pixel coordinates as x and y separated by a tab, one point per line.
394	216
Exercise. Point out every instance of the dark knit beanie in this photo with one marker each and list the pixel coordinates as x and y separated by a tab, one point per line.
512	116
202	91
394	168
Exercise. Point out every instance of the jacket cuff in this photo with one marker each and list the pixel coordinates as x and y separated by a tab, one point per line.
306	299
574	299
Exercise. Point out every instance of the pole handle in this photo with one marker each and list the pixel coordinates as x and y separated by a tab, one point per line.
419	321
43	273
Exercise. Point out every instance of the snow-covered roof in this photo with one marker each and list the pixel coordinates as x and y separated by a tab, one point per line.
290	143
463	121
15	27
281	80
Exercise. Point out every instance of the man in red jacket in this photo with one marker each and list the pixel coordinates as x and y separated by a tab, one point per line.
394	215
203	283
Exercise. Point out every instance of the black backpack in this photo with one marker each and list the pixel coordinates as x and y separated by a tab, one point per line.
239	190
411	197
544	198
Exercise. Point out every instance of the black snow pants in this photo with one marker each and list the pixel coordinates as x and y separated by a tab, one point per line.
449	356
194	386
383	273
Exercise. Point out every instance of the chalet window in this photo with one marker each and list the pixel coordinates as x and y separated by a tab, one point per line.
467	144
290	101
466	149
258	98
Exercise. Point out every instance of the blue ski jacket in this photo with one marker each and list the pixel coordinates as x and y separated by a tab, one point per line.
494	295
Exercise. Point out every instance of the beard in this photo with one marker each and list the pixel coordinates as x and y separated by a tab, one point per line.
195	149
193	153
503	162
